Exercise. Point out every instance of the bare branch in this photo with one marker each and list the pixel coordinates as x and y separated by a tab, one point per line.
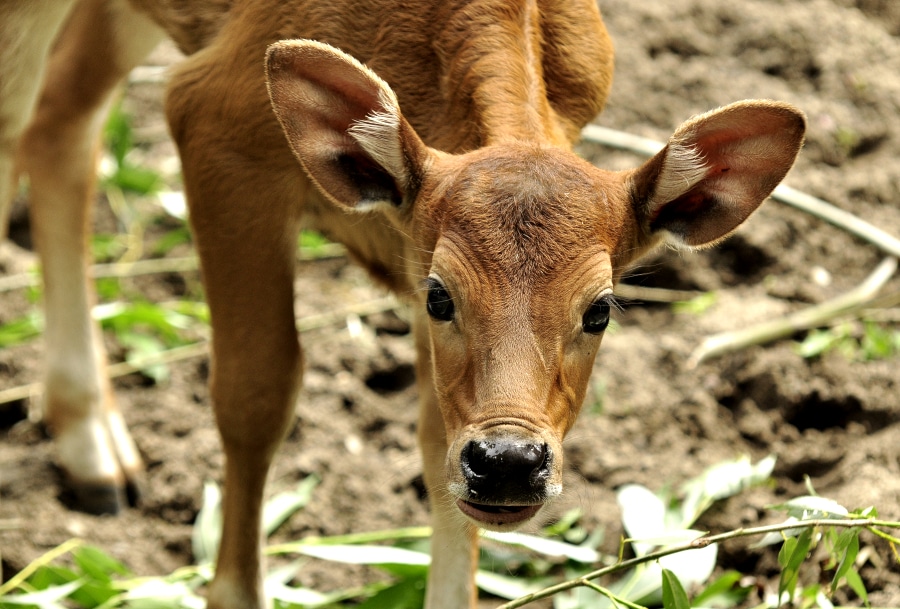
857	299
700	542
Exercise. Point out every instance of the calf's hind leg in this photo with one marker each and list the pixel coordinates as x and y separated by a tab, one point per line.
99	44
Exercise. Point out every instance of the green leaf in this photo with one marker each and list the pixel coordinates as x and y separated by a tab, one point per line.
21	330
117	133
723	592
798	555
51	575
156	593
547	547
849	550
135	179
673	594
697	305
877	342
144	322
97	564
791	556
718	482
138	348
282	506
46	598
108	288
94	594
207	529
106	247
564	524
312	240
405	594
818	342
196	309
813	507
643	515
786	550
856	584
508	586
304	597
170	240
398	561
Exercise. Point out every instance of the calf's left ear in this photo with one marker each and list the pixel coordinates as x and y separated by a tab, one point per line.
715	171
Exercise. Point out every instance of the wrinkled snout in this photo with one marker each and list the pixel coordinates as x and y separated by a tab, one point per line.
505	477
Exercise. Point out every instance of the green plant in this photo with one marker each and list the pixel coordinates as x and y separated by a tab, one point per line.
121	173
21	329
145	328
696	306
865	341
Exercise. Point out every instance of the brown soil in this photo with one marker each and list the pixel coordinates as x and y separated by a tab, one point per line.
649	419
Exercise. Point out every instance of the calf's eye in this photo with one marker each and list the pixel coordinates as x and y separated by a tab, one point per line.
439	304
596	318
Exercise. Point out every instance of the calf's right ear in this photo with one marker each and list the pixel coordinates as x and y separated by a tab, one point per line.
344	125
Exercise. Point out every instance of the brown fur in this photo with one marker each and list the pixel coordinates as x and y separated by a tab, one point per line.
433	139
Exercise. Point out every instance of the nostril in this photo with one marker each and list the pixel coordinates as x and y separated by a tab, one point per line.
490	458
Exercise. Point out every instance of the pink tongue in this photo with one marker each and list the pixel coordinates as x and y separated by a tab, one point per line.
497	514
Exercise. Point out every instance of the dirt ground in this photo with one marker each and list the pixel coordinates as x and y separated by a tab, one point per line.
649	419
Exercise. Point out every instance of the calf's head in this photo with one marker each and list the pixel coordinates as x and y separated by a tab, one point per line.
519	245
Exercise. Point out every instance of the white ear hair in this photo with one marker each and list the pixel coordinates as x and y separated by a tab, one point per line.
683	169
379	135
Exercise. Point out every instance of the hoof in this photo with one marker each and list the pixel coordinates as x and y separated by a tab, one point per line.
100	499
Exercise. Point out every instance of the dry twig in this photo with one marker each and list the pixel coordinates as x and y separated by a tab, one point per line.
199	349
869	524
857	299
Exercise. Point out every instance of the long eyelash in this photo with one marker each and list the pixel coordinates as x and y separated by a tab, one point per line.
616	303
429	283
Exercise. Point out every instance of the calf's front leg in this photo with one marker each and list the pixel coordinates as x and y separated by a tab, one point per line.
454	541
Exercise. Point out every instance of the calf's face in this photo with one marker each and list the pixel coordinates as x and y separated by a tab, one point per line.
520	257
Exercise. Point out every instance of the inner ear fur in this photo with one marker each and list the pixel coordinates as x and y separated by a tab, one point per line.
716	170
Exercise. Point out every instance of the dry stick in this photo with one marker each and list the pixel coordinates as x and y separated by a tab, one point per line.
639	292
886	242
305	324
158	265
858	298
700	542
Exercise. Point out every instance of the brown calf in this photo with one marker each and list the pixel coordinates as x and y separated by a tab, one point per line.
469	203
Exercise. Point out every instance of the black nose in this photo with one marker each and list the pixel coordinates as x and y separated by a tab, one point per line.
505	471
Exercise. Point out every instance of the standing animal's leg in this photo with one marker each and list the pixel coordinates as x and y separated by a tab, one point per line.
99	44
454	542
244	188
27	31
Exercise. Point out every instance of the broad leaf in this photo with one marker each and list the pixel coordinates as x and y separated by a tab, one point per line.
547	547
282	506
673	594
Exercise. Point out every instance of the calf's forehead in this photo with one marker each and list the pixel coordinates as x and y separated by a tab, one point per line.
525	215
